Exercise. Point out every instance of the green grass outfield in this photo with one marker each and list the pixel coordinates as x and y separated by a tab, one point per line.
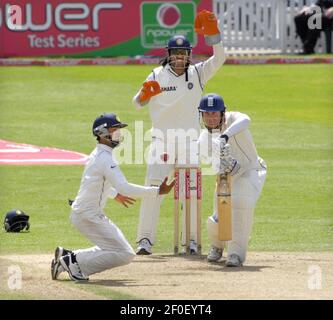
291	107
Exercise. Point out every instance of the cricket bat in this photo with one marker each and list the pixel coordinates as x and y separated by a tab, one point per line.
223	188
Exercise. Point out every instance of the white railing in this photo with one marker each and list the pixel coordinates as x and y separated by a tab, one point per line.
261	26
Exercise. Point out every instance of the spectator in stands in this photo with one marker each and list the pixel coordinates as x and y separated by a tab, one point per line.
309	36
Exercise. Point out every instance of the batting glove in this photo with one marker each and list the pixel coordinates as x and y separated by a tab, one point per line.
229	165
218	145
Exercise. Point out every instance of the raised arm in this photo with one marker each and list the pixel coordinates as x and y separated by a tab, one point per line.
206	24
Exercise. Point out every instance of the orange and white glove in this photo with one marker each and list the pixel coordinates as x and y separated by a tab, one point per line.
149	89
206	24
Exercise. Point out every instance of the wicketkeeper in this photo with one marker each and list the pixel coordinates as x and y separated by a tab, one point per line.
227	140
172	93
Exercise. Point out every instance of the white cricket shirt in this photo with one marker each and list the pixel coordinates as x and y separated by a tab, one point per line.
241	142
177	106
102	179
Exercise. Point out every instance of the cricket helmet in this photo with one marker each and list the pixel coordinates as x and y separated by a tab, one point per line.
101	125
16	220
212	102
178	42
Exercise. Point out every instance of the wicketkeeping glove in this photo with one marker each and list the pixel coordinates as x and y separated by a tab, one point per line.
149	89
206	24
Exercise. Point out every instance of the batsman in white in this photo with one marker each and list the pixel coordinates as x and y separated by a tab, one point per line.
227	140
172	93
101	179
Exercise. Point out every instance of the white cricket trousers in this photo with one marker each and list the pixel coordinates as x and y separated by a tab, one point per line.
156	172
245	192
111	250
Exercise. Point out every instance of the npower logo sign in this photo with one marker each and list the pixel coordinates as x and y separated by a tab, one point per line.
14	15
162	20
57	25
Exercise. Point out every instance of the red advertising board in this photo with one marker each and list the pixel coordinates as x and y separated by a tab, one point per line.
96	27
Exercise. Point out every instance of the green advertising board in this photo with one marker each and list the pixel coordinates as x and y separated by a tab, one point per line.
162	20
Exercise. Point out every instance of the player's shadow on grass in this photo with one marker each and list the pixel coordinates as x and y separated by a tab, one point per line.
244	269
180	256
206	266
109	282
149	259
160	258
118	283
220	267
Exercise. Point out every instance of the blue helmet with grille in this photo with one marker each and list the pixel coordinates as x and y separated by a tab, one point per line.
103	123
178	42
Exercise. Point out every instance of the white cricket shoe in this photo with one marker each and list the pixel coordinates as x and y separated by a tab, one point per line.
215	254
59	252
144	247
233	261
56	267
70	264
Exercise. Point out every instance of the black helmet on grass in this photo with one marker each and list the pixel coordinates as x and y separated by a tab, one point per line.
16	220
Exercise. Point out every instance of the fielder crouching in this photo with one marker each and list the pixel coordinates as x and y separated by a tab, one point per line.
226	137
102	179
